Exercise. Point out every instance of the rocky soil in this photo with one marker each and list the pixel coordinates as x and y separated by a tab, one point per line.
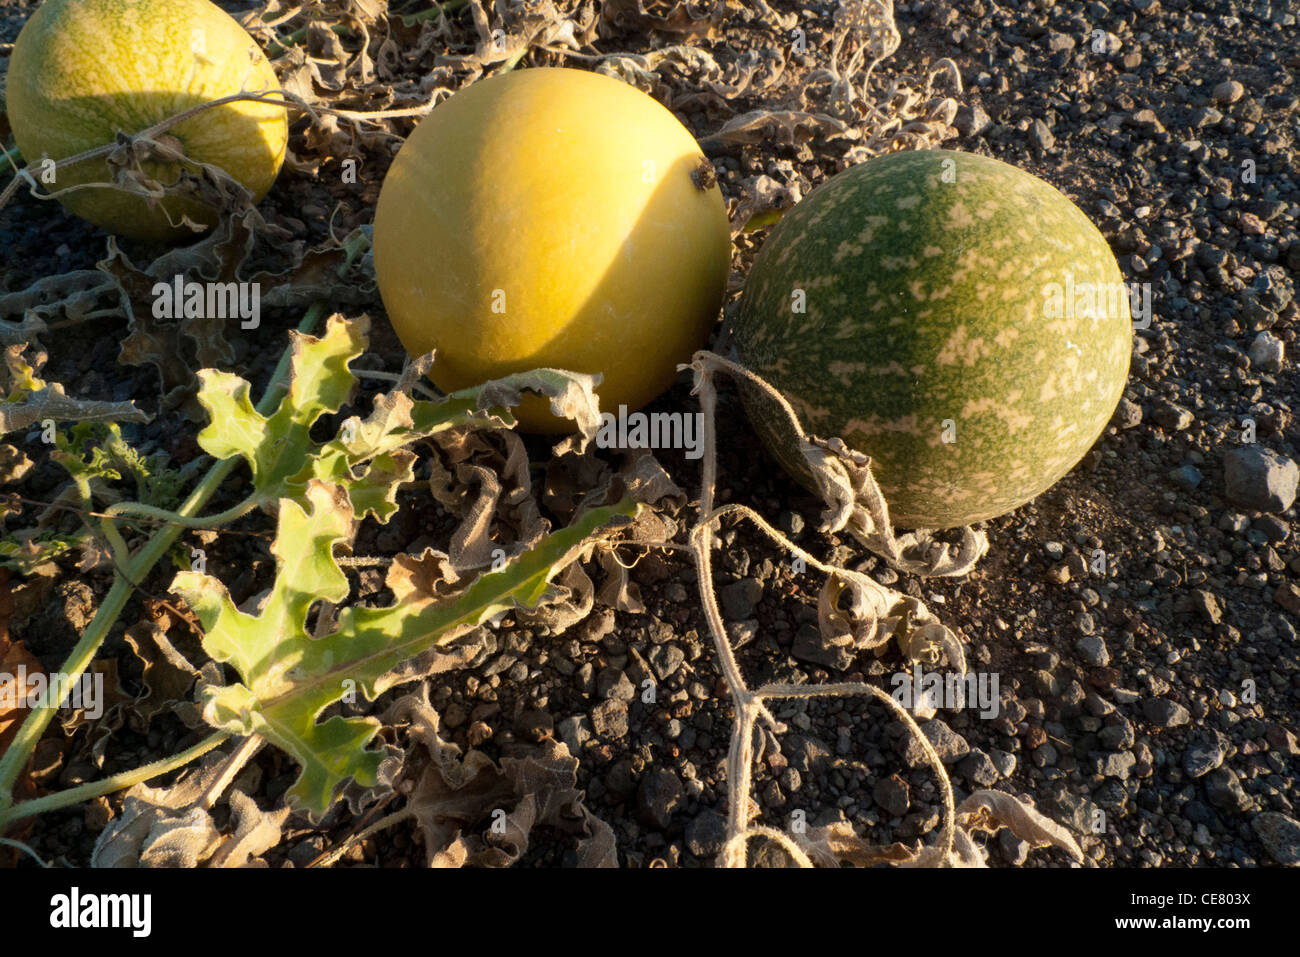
1141	616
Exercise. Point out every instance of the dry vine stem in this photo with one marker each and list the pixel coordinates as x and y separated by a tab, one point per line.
148	139
749	704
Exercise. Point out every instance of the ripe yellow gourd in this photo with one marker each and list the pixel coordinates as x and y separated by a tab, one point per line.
84	70
552	218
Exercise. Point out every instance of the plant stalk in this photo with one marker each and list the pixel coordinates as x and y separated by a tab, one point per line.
24	743
117	782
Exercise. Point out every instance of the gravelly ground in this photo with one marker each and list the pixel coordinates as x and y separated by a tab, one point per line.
1163	692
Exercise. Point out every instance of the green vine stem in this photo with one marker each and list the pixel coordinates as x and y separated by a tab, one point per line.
513	62
140	510
437	10
24	743
117	782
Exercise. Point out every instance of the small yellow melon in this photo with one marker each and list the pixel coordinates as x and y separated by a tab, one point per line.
84	70
552	218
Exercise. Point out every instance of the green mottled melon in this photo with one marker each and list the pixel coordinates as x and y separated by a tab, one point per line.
955	318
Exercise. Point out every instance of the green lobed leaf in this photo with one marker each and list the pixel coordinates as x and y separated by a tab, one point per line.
111	458
367	456
25	554
289	677
276	446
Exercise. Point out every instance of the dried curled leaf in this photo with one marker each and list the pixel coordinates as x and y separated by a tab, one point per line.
618	591
701	20
14	464
490	492
28	400
571	396
993	810
173	827
256	832
572	600
13	656
837	844
71	295
161	827
781	126
221	257
473	813
987	811
167	675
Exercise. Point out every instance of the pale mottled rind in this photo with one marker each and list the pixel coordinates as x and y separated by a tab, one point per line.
82	70
926	301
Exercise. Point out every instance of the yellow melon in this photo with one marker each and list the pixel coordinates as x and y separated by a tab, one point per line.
552	218
84	70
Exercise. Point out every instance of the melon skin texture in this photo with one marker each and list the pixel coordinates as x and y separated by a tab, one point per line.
548	218
987	307
83	70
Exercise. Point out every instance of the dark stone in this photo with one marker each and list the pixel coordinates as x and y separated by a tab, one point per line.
739	599
1165	713
609	719
705	834
658	796
891	794
804	752
1260	479
972	120
1224	790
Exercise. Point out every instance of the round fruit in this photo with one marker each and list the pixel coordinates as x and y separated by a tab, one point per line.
552	218
84	70
955	318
